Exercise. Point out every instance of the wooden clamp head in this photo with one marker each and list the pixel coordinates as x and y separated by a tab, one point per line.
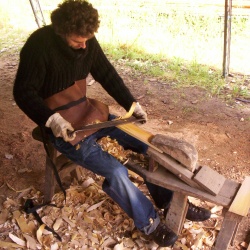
180	150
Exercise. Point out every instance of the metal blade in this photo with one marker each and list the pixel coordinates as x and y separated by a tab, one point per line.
108	124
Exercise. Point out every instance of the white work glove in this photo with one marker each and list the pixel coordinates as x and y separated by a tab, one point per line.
139	113
60	127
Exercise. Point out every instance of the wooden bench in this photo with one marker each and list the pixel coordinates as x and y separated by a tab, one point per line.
61	162
234	197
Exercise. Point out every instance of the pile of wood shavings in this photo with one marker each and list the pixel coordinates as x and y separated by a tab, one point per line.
89	219
114	148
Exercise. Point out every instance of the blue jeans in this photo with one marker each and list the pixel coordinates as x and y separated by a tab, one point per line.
117	183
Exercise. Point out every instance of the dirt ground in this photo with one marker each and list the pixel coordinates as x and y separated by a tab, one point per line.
218	130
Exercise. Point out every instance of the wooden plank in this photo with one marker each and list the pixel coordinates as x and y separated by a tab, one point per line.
177	212
49	185
209	179
227	231
174	167
164	178
152	165
241	202
229	189
139	134
180	150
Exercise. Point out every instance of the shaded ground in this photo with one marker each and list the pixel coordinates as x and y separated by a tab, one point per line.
219	131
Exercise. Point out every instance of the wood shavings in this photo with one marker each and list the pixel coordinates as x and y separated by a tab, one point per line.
72	224
4	216
115	149
8	245
87	221
28	228
17	191
40	232
54	246
95	206
118	246
108	242
112	147
17	240
216	209
57	224
181	246
31	242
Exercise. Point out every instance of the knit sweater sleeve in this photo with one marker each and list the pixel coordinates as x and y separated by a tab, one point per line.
29	80
104	72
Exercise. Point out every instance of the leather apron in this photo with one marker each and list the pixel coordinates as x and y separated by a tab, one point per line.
73	105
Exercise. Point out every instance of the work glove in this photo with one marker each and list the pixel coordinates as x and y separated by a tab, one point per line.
60	127
139	113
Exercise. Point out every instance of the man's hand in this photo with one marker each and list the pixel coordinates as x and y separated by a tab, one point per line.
60	127
139	113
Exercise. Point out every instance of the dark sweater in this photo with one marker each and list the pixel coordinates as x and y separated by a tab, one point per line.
48	65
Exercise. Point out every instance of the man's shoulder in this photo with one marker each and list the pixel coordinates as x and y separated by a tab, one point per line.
40	38
45	31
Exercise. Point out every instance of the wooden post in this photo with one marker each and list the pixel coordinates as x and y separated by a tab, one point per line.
177	212
38	14
227	231
50	183
227	37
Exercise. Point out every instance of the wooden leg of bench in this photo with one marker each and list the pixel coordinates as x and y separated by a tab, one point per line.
227	231
177	212
49	184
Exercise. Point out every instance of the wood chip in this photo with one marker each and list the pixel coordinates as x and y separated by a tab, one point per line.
17	240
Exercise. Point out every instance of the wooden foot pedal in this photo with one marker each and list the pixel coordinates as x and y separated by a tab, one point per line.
209	179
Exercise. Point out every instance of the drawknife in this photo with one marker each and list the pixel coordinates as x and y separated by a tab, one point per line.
106	124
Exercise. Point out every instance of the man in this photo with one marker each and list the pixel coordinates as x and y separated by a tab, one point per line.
50	88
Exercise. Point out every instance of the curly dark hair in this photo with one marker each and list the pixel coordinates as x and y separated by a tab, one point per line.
75	17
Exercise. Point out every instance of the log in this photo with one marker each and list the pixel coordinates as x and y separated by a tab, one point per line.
180	150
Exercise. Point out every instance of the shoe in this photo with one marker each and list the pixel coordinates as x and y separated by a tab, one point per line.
164	236
195	213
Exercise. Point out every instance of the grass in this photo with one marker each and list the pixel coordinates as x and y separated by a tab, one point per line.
156	38
176	71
